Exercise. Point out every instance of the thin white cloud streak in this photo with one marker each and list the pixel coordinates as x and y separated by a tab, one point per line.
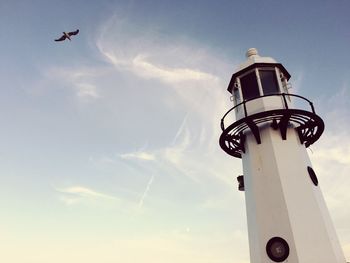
181	129
142	67
84	192
145	193
172	75
79	194
145	156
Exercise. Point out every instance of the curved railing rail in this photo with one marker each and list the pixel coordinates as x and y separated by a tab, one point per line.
283	95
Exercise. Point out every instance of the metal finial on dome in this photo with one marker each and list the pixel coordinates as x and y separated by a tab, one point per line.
251	52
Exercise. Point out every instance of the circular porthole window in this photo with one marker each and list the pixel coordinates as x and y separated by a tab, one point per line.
277	249
312	175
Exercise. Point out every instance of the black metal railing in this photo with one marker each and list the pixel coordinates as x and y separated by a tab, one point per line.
283	95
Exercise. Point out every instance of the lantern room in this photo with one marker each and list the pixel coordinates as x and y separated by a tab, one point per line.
258	77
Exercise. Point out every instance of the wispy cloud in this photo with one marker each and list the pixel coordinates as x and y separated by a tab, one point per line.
149	55
143	67
86	90
79	194
80	80
145	156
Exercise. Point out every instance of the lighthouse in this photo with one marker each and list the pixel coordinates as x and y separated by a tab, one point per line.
270	129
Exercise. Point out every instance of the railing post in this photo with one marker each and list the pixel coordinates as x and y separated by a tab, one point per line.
312	107
285	101
245	108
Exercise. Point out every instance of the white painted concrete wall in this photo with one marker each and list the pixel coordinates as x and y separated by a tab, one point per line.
281	200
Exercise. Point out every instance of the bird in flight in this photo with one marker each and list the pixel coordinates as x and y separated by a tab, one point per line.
67	35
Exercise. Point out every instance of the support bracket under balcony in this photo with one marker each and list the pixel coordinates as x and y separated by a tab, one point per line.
308	125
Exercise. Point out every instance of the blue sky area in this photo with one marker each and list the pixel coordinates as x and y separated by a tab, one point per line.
109	142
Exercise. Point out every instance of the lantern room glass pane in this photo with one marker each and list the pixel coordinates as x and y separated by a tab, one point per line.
269	82
250	87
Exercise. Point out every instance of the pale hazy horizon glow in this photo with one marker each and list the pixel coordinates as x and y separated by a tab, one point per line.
110	141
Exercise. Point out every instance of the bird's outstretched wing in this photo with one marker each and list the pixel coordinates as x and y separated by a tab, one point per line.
73	33
61	38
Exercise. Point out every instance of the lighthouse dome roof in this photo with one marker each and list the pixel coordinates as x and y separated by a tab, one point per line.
253	57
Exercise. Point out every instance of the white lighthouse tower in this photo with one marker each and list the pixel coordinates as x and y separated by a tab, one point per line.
288	220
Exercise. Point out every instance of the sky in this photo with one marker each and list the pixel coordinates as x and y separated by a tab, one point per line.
109	143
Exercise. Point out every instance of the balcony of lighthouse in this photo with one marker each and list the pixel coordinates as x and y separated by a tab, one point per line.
276	111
